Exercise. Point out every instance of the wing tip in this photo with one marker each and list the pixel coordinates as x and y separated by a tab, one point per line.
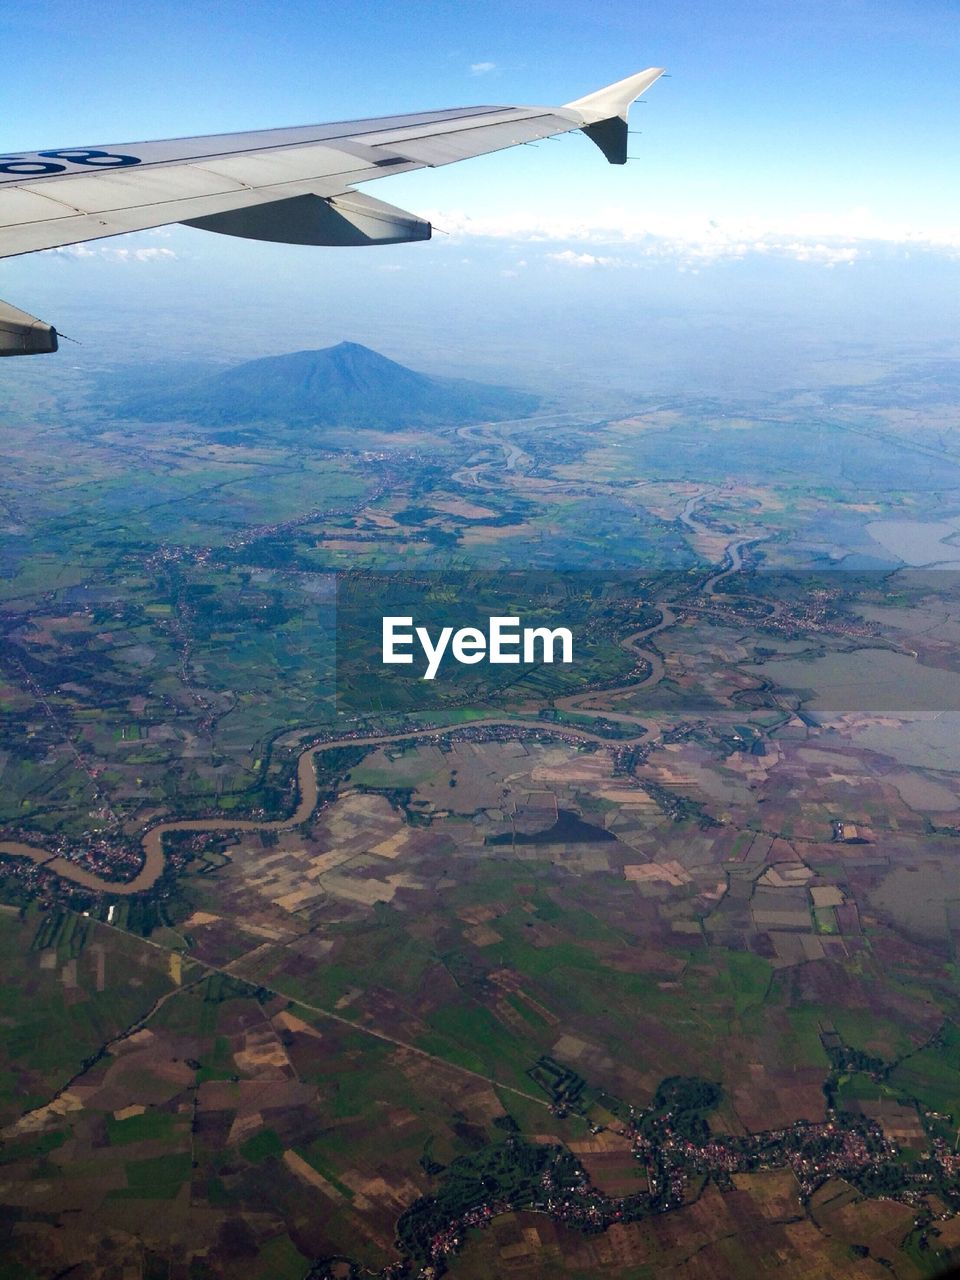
603	113
615	99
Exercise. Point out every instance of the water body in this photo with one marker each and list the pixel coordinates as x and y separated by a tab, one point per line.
868	680
927	740
925	794
918	542
569	828
773	644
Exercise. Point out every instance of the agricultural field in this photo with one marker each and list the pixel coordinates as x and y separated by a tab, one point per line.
643	968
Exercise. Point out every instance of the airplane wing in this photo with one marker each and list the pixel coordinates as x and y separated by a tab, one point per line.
296	186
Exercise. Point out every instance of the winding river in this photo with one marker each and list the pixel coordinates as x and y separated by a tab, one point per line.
152	839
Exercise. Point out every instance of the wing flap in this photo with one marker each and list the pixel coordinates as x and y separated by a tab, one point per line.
120	191
115	204
76	228
352	219
24	335
289	164
18	205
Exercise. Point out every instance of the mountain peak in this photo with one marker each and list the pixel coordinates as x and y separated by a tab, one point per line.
354	346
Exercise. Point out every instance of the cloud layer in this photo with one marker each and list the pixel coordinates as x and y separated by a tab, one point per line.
826	240
114	253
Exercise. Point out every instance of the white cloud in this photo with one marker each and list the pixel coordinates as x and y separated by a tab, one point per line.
75	251
113	254
140	255
568	258
482	68
696	240
829	255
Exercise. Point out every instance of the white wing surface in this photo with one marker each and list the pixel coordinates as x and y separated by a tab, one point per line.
292	185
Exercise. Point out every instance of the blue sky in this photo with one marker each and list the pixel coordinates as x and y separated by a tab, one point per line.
801	134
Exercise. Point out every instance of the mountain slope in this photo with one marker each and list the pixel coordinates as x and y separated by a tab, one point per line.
343	386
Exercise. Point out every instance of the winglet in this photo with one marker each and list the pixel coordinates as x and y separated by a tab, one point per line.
604	113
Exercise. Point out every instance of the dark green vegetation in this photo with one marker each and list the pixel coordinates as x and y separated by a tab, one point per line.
56	1011
686	1100
515	1174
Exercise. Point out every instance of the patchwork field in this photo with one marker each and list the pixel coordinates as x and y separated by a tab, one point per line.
646	970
